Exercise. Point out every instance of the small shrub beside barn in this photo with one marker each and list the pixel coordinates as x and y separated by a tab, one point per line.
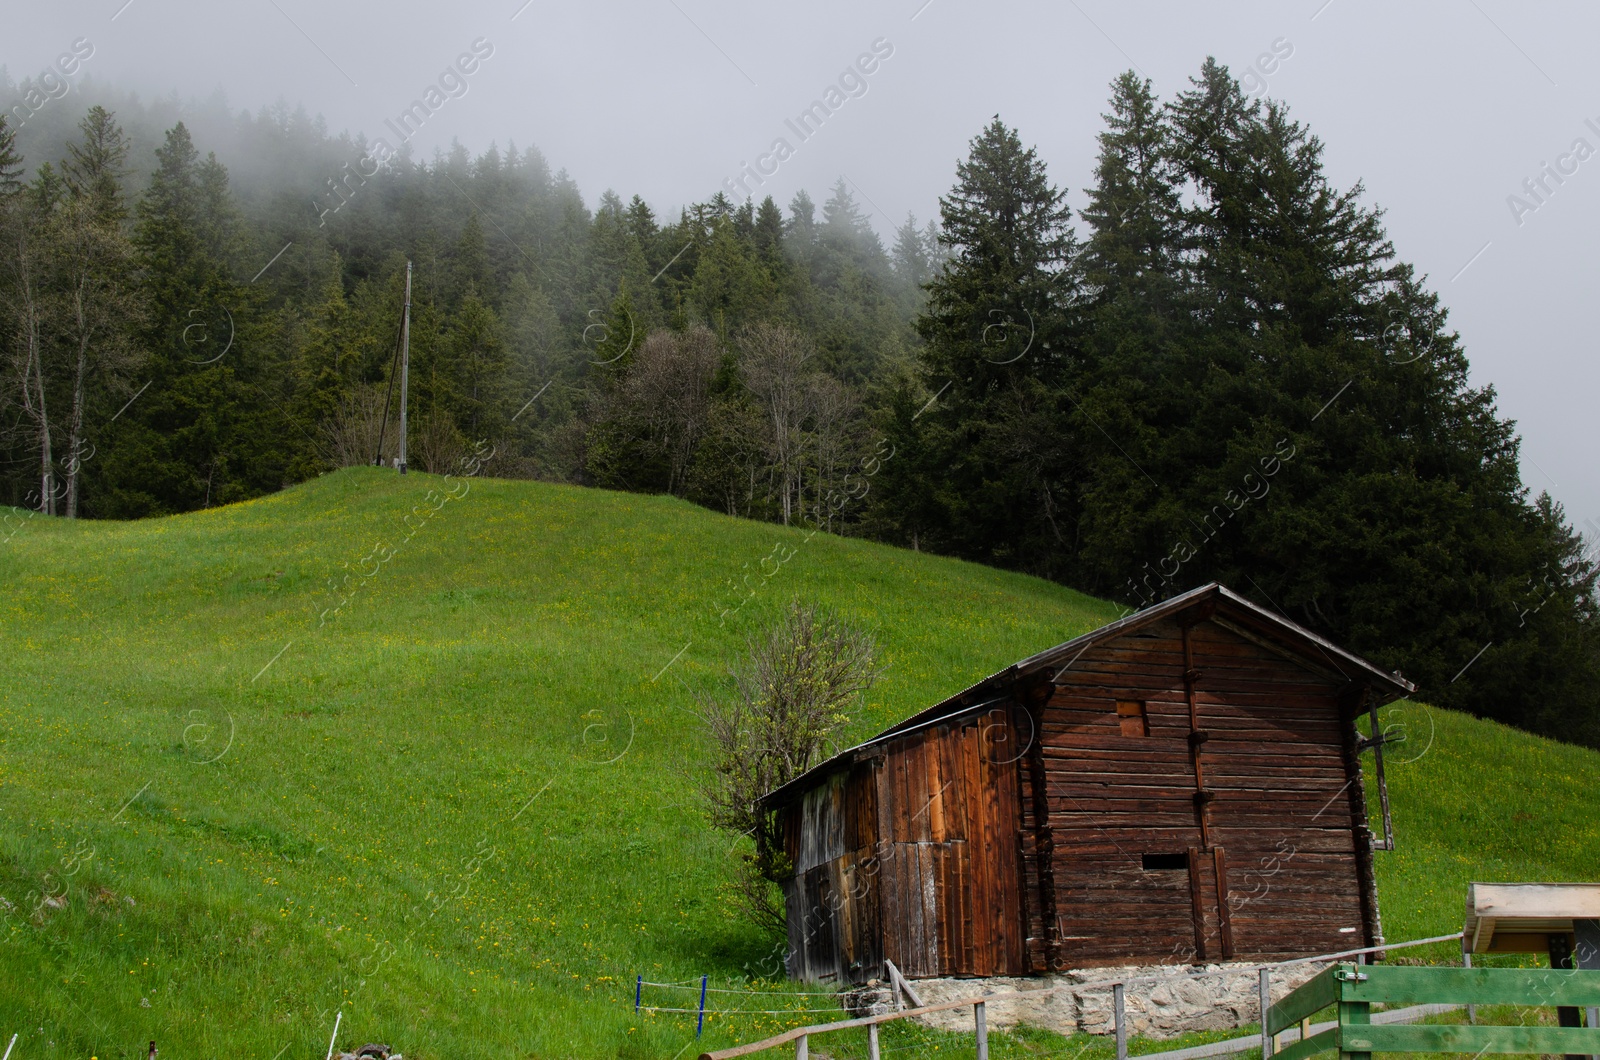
1180	786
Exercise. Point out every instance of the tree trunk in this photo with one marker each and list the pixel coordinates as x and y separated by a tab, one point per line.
47	474
33	365
75	431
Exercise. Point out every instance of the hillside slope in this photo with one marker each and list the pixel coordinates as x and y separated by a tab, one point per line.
456	799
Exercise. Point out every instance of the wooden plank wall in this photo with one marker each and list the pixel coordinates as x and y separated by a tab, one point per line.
832	902
1282	811
1273	777
949	801
1041	950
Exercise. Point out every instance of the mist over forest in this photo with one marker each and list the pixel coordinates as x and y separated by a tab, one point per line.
1213	366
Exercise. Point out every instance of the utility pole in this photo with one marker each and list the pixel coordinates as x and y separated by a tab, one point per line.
405	366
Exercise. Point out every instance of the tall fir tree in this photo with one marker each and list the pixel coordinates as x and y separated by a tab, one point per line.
200	433
94	167
998	354
101	313
11	166
1303	427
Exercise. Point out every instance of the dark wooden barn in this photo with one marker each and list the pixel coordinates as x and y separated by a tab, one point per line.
1180	785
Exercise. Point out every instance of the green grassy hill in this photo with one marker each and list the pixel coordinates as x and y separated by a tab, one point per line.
456	799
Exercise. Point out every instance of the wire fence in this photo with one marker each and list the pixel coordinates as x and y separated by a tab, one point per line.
801	1033
703	988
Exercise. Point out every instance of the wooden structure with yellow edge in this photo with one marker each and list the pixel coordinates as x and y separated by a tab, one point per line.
1559	919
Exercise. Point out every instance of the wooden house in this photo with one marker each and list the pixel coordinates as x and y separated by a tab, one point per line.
1181	785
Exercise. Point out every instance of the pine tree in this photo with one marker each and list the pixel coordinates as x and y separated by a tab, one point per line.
532	333
94	169
642	221
328	370
1136	388
469	263
614	339
203	432
10	163
801	228
730	282
1275	402
1134	207
997	356
769	232
1013	251
477	353
616	258
842	216
913	262
100	312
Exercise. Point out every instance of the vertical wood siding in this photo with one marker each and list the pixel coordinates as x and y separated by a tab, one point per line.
915	856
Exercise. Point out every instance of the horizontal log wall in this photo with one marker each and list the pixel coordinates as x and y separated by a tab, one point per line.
1274	778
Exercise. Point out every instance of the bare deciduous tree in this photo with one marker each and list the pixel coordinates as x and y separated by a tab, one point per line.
834	443
436	443
796	686
776	366
670	389
30	312
354	429
99	312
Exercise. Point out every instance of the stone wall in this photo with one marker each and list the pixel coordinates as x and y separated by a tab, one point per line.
1160	1001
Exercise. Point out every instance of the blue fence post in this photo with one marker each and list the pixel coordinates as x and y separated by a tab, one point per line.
700	1024
638	993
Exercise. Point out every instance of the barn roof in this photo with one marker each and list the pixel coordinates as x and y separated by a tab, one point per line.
1224	606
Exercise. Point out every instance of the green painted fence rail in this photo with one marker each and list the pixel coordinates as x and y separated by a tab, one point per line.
1355	988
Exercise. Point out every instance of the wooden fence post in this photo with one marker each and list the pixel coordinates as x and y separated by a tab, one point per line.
1466	962
1264	988
800	1050
898	982
1561	956
982	1031
1587	932
1119	1014
872	1041
1353	1014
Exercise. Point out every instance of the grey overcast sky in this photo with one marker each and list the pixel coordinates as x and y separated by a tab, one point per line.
1442	109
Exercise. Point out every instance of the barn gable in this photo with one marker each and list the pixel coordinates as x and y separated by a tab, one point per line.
1181	784
1199	795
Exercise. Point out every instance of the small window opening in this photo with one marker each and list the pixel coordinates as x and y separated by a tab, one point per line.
1165	862
1131	716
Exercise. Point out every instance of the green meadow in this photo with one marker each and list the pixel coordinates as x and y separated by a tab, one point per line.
421	755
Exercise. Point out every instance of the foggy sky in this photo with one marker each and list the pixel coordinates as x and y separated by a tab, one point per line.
1442	110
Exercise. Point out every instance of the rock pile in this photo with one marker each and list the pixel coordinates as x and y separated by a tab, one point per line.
370	1051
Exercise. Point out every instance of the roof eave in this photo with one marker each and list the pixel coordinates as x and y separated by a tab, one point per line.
1391	686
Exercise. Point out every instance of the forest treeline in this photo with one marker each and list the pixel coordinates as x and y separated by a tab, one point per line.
1215	367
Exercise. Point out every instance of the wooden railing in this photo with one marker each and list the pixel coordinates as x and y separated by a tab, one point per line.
1355	988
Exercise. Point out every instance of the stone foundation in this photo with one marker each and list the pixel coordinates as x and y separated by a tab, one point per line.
1184	998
